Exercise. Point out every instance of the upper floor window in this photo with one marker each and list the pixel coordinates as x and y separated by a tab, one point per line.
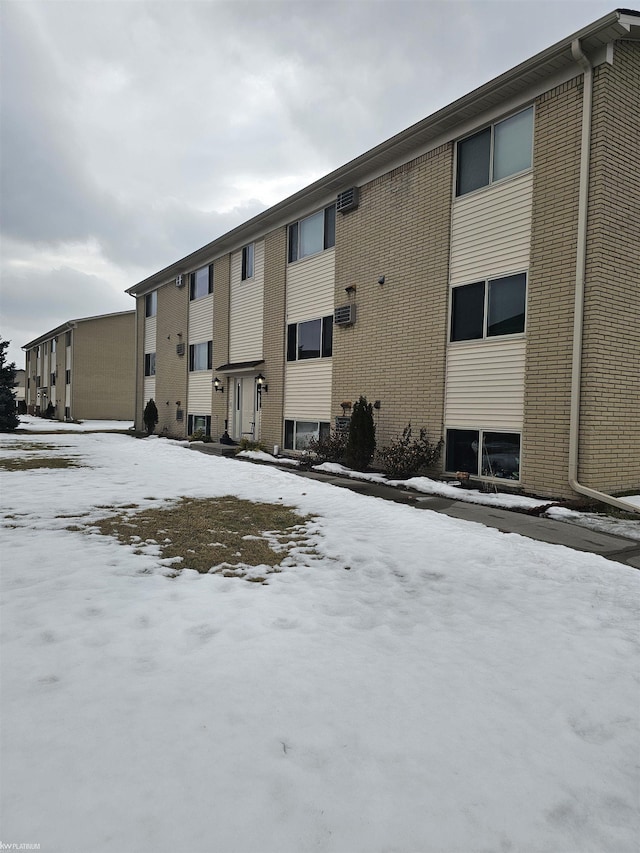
486	309
503	149
247	261
54	342
311	339
67	339
201	356
151	304
201	282
313	234
150	364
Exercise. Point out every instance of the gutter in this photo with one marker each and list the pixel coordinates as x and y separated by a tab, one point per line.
578	317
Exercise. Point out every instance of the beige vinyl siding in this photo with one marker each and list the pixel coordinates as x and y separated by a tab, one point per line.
246	308
308	390
201	319
491	231
310	287
67	359
150	325
200	390
485	385
149	389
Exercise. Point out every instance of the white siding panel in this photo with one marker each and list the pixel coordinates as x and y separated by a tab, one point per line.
485	385
310	286
246	308
67	357
491	231
201	320
199	395
149	389
308	390
150	324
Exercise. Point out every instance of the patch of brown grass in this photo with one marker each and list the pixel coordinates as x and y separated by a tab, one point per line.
224	535
27	463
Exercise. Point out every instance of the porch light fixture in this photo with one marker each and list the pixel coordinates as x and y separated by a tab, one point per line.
218	386
261	383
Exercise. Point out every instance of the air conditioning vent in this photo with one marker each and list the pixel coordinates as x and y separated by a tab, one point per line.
180	349
342	424
347	200
180	280
345	315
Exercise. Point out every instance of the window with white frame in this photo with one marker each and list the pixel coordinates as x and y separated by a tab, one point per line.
313	234
496	152
483	453
490	308
247	261
150	364
298	434
200	356
151	304
310	339
201	282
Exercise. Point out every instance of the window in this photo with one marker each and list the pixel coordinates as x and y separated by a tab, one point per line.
487	309
67	377
200	356
38	381
494	153
196	423
54	343
201	282
53	379
311	339
500	457
67	339
150	364
67	413
46	347
247	262
298	434
151	304
313	234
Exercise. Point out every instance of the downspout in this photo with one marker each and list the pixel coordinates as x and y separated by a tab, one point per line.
578	317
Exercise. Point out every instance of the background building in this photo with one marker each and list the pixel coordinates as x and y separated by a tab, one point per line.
84	368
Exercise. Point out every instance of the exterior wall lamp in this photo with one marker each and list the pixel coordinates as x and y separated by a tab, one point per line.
218	386
261	383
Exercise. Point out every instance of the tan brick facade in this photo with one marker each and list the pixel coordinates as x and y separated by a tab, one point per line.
275	257
395	352
171	368
551	288
610	421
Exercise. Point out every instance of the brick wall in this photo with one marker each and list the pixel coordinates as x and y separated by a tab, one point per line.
395	352
171	369
551	287
275	256
610	401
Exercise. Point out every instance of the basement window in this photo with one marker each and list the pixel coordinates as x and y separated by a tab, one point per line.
298	434
499	459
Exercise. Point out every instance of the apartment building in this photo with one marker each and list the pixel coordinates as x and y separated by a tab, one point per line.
84	368
476	274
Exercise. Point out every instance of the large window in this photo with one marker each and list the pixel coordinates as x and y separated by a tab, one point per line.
484	453
313	234
150	364
200	356
201	282
498	151
311	339
298	434
247	261
487	309
151	304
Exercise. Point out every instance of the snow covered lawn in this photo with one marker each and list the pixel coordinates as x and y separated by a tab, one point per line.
418	685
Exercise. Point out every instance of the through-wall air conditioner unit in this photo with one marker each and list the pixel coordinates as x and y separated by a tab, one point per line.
347	200
180	280
345	315
180	349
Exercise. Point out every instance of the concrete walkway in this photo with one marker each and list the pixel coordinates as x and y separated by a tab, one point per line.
613	547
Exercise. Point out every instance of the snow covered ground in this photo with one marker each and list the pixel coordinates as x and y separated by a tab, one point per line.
33	424
425	685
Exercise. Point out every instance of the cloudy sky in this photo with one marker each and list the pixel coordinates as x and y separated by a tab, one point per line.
133	133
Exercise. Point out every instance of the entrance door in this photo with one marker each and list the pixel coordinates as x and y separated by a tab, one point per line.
244	416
